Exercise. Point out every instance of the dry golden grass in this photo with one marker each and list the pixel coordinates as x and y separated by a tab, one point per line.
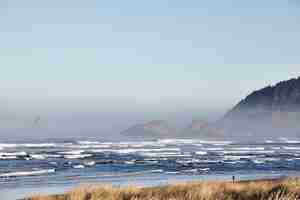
256	190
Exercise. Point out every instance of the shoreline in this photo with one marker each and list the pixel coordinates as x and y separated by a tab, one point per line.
263	186
13	193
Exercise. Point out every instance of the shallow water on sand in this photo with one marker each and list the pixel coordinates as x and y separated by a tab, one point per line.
55	166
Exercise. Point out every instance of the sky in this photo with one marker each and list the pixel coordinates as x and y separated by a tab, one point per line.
165	56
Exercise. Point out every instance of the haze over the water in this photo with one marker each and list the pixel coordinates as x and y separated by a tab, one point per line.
96	67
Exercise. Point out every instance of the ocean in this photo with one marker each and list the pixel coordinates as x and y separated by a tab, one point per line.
54	166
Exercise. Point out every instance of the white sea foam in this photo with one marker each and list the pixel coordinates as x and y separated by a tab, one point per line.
21	153
292	141
286	140
259	161
190	171
185	161
89	146
248	149
201	153
248	152
28	145
88	142
263	160
8	157
217	143
78	166
74	152
276	148
204	169
80	156
213	149
7	145
272	159
38	145
238	157
130	162
269	141
291	148
90	163
164	154
192	142
135	150
38	156
44	156
172	172
27	173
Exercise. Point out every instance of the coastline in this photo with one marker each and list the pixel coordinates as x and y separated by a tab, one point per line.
285	188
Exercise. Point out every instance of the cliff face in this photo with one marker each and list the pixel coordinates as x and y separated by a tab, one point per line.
270	112
153	129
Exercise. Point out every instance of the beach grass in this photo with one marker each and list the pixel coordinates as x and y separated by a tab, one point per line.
288	189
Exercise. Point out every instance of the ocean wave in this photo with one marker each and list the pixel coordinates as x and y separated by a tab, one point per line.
190	171
89	163
164	154
86	142
258	161
269	141
38	145
78	166
130	151
33	145
90	146
79	156
276	148
20	153
286	140
204	169
188	161
7	145
193	141
201	153
8	157
248	152
213	149
247	149
291	148
27	173
44	156
73	152
238	157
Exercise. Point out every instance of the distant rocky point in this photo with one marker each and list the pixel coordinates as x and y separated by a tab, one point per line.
162	129
152	129
201	129
273	111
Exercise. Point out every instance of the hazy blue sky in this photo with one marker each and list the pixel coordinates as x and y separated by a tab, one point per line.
166	53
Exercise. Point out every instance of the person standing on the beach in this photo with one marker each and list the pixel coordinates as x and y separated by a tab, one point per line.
233	179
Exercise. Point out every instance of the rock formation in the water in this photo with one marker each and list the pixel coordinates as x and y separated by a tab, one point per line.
273	111
153	129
